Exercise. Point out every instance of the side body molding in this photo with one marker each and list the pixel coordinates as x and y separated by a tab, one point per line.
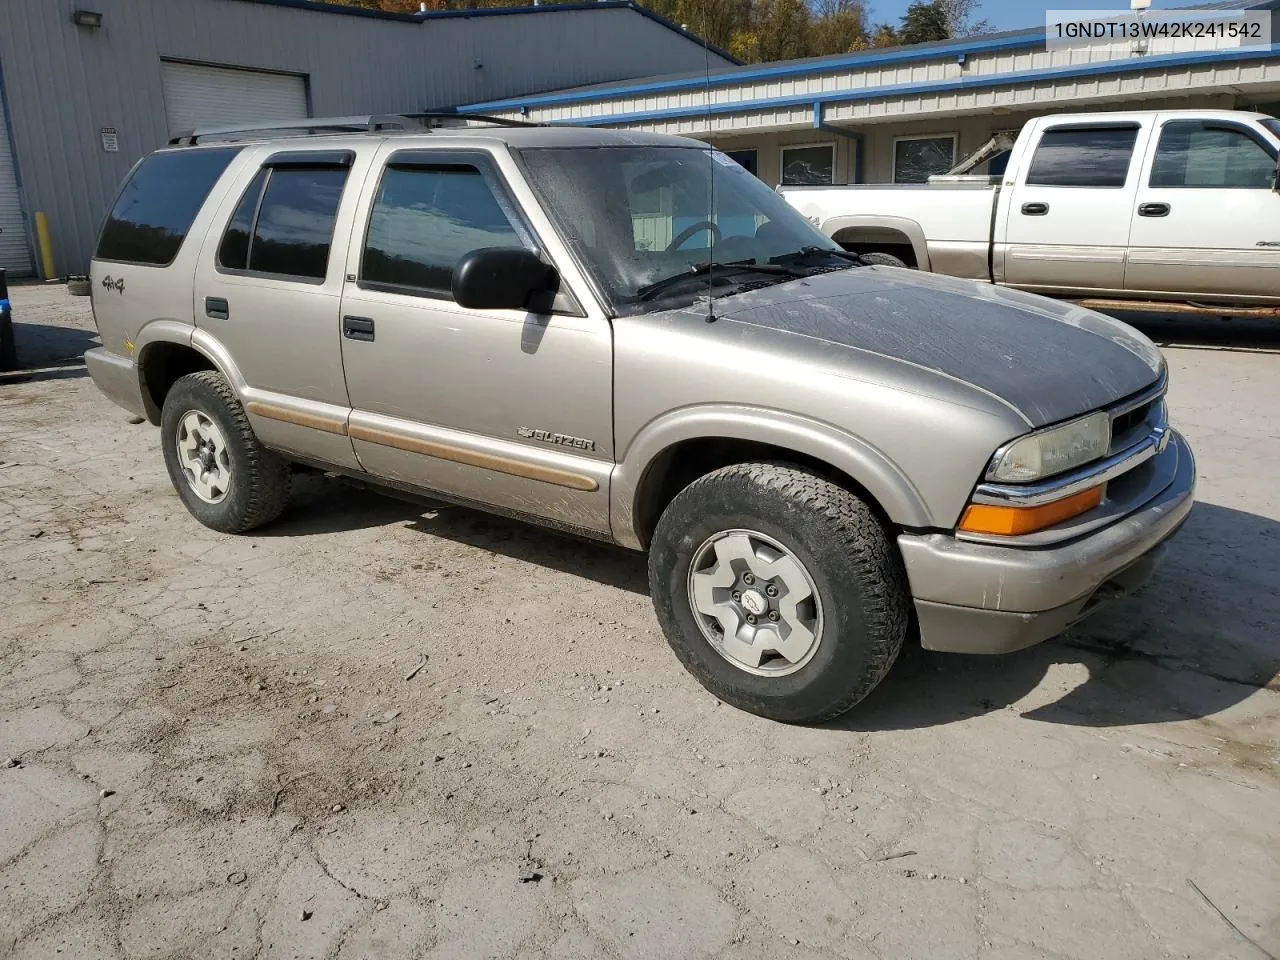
859	460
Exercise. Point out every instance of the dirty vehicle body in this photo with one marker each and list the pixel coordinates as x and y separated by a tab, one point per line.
1173	207
815	453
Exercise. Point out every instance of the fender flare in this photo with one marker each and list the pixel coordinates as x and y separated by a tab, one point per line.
892	490
178	333
911	229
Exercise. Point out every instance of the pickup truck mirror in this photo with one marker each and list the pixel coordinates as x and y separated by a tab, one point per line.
504	278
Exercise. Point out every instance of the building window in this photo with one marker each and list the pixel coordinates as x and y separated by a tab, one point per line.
1195	154
808	165
916	159
747	159
1083	157
426	219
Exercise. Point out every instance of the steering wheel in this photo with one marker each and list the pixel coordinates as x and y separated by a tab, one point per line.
691	231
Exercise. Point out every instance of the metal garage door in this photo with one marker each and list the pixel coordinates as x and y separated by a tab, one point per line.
200	96
15	251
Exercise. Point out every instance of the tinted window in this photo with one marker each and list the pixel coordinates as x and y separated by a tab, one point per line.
918	159
158	204
1083	157
234	249
295	222
426	219
1192	154
808	165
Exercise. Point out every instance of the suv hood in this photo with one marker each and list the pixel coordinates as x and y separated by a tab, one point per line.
1049	360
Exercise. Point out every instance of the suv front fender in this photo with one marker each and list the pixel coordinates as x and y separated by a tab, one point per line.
857	459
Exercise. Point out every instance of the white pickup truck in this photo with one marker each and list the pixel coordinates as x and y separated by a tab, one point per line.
1172	207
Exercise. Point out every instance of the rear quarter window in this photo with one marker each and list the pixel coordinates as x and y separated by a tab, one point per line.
158	204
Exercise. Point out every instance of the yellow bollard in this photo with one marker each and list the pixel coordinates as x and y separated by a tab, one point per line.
45	242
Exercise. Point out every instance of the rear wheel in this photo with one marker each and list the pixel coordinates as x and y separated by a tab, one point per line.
779	591
225	476
879	259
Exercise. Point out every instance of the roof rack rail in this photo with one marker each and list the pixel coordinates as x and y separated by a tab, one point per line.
373	123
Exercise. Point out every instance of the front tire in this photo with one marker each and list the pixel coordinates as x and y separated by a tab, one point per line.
878	258
226	478
779	591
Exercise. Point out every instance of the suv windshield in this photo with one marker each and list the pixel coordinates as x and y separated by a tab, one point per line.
649	221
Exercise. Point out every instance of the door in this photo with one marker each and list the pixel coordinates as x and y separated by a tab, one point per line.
1068	214
15	249
199	95
268	290
1207	218
504	408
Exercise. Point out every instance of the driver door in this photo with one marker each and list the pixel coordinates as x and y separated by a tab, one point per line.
503	408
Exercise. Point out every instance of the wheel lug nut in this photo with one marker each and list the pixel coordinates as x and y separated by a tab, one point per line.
748	579
773	615
751	619
736	596
771	590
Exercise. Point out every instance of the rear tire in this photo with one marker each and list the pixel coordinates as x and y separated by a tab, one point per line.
878	259
225	476
756	519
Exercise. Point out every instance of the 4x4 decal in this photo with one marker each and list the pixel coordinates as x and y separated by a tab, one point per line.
116	284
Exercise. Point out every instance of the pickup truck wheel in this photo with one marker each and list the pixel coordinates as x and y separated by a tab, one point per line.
877	259
228	480
779	591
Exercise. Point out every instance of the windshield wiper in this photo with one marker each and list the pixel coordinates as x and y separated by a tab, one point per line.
807	253
651	290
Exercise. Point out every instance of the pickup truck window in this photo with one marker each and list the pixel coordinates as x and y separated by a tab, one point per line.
1196	154
1083	157
158	204
638	217
426	219
1272	125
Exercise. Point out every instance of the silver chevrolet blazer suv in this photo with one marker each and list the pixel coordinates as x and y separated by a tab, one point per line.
628	337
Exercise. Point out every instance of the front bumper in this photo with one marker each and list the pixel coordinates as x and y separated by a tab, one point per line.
117	377
983	598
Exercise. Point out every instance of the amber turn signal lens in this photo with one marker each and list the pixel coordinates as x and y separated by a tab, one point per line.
1016	521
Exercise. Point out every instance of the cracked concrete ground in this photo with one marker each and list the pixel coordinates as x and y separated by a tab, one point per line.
217	753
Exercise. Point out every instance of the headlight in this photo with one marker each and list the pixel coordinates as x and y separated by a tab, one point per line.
1054	451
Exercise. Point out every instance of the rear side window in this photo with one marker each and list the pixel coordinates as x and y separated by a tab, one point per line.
1083	157
283	224
159	203
426	219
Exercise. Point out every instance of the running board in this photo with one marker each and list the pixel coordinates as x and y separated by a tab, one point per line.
1193	309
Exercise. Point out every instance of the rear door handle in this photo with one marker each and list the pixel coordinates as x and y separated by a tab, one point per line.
217	308
357	328
1034	209
1154	210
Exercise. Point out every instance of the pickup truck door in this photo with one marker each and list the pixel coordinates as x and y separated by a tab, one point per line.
268	287
1207	218
507	409
1066	219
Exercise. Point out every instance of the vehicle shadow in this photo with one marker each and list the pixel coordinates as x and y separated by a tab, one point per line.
1206	333
1198	639
326	504
48	352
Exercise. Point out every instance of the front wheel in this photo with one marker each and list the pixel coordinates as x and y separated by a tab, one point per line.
779	591
225	476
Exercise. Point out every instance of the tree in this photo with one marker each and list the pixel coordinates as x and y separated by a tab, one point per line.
924	22
784	27
960	22
839	27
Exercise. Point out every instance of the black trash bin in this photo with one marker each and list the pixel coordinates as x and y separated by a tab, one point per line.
8	351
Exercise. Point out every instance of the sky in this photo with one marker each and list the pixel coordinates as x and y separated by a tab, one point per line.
1011	14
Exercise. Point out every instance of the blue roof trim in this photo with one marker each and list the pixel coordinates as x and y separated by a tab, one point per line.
788	68
344	10
941	86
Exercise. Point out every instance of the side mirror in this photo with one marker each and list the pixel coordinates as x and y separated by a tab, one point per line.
504	278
